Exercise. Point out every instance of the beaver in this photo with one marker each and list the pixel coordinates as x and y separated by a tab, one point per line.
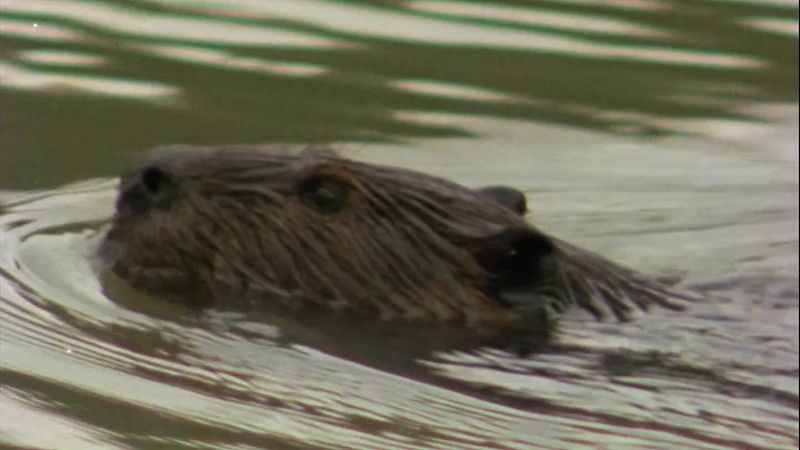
314	229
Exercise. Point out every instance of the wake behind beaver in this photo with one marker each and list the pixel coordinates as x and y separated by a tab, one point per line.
312	229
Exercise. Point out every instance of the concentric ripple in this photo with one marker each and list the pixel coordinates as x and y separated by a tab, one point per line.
102	366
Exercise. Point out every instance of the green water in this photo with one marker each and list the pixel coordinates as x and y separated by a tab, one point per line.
661	133
88	84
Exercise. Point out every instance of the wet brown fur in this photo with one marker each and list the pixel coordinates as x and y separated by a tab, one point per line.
224	223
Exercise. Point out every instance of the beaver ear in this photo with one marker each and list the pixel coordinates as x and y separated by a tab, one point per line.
511	198
513	258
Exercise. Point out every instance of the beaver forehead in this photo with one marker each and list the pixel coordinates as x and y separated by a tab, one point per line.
190	161
274	167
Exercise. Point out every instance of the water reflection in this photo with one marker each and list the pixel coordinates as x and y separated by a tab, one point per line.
49	57
223	59
133	23
532	16
35	31
324	71
19	77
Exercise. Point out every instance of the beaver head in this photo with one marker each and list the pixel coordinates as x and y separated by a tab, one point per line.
313	228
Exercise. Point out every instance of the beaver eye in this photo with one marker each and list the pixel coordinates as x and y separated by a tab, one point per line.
324	194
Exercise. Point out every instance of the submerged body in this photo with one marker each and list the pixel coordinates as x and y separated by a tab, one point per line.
315	229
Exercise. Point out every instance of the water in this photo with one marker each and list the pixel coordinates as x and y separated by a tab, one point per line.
662	134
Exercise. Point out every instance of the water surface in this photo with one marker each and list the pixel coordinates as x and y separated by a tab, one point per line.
660	133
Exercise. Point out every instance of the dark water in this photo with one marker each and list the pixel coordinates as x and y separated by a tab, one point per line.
660	133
